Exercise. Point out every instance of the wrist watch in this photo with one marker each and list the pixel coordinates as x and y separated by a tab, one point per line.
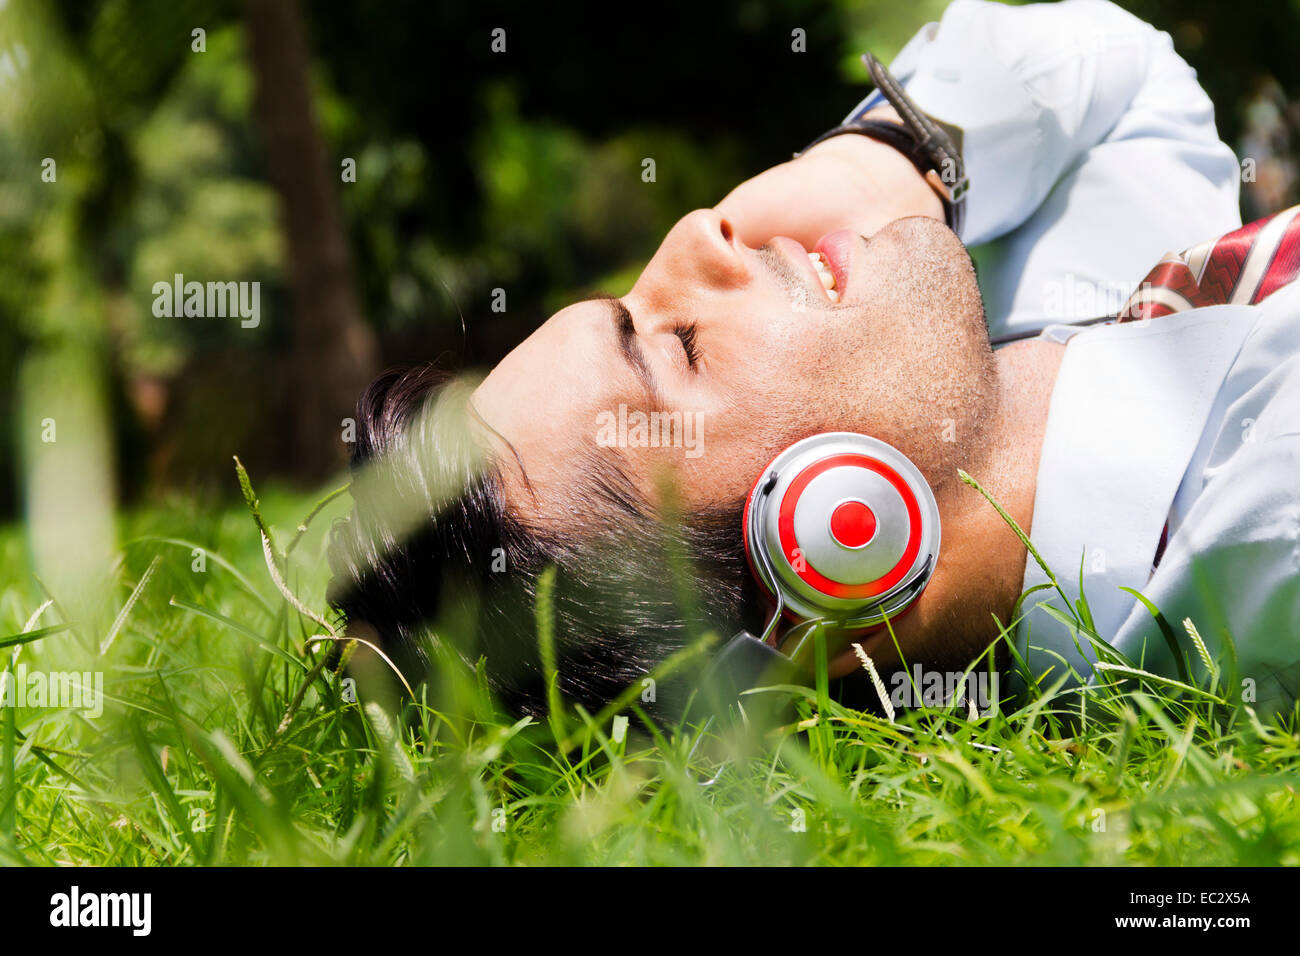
933	147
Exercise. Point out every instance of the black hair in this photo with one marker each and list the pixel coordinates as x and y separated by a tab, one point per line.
432	538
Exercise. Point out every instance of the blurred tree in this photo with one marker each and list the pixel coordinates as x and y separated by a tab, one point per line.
334	353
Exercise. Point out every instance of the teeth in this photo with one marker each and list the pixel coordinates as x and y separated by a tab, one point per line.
824	273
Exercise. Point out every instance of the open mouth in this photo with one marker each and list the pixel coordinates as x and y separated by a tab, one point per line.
825	274
827	264
835	251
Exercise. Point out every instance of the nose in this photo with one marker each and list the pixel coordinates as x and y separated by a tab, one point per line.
706	244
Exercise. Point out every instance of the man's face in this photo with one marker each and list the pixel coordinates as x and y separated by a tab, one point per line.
746	346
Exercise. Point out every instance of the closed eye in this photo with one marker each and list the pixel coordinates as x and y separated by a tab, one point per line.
687	335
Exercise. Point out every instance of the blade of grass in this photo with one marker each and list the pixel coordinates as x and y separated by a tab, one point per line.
271	647
27	637
1166	631
120	621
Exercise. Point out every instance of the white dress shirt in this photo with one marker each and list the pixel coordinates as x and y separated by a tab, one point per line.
1091	152
1090	148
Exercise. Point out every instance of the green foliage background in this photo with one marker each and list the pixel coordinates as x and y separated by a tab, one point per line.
475	171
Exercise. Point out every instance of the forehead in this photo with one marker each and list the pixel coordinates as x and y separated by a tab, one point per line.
546	396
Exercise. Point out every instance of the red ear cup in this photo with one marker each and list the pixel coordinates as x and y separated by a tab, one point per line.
843	527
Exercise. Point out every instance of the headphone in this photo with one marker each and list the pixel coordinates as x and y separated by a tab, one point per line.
839	528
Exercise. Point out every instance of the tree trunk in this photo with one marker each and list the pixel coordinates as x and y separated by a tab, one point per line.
334	352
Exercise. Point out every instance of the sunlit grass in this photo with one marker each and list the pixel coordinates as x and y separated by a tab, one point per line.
225	740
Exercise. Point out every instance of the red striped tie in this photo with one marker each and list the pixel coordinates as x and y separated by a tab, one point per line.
1242	267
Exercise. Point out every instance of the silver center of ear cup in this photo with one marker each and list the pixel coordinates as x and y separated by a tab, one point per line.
812	520
795	552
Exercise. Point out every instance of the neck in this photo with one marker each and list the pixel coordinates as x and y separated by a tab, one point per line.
982	562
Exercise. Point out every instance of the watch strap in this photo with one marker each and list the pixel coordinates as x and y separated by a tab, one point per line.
933	147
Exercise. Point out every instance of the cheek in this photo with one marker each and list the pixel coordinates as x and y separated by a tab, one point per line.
769	357
793	349
774	383
733	447
721	479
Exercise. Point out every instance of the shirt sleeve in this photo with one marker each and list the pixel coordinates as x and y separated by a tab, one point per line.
1090	148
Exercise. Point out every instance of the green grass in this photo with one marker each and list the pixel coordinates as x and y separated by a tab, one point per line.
194	762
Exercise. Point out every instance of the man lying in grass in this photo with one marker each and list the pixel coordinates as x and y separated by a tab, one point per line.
1154	461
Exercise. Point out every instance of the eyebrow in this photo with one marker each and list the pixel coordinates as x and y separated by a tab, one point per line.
630	346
